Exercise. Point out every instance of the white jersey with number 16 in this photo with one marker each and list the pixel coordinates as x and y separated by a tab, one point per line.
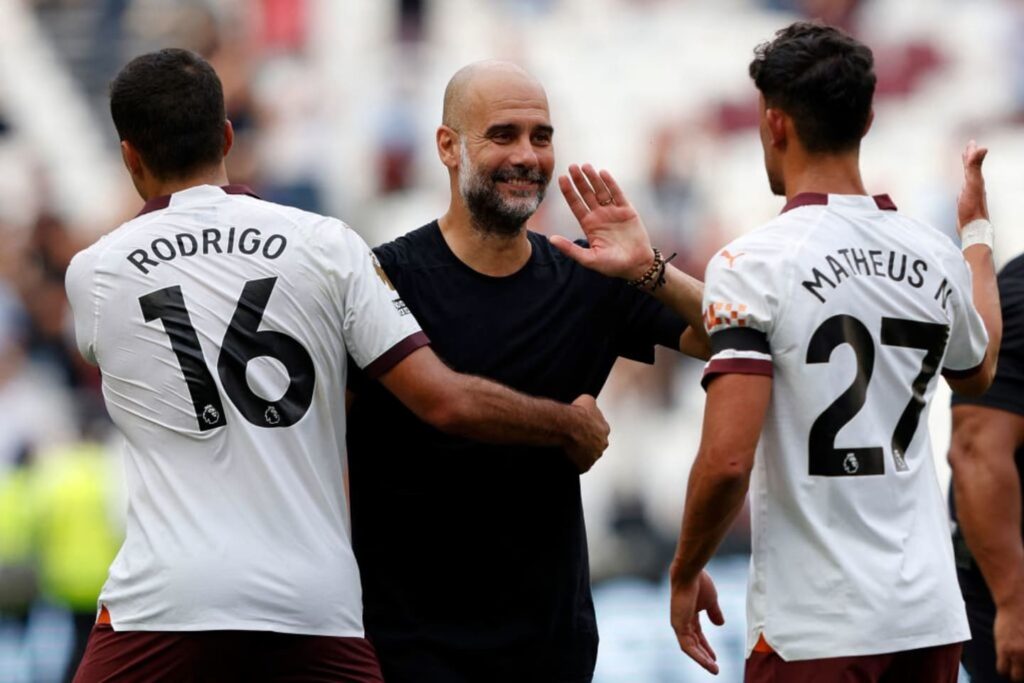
221	325
853	309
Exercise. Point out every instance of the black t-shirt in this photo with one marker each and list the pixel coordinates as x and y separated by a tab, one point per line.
1007	390
474	557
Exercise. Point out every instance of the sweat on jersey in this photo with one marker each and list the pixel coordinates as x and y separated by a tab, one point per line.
221	324
852	308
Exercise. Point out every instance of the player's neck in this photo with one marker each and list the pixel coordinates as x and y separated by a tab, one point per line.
825	174
485	252
155	187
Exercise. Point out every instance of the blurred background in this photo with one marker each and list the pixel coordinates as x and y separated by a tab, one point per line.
335	103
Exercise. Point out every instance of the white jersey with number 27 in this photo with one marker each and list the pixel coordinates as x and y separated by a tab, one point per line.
221	325
853	309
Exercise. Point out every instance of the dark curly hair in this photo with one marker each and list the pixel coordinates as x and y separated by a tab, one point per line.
823	79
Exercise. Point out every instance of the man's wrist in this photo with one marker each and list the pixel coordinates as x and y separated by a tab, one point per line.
681	571
978	231
1007	591
640	270
575	422
654	276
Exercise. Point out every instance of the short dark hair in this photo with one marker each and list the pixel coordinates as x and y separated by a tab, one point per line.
823	79
169	105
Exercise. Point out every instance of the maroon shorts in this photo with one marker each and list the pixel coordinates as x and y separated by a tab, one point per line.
224	657
939	664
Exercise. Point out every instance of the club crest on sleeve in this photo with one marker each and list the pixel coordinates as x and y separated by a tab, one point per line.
720	315
380	272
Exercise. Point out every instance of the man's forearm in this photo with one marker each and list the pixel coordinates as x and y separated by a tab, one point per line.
721	473
986	488
683	294
486	411
988	509
713	499
985	297
483	410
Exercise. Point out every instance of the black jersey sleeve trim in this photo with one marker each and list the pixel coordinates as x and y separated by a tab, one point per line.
739	339
962	374
396	354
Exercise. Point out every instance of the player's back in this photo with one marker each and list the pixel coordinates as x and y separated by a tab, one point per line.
220	327
857	308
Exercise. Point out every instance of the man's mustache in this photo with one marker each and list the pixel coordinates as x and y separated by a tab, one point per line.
529	175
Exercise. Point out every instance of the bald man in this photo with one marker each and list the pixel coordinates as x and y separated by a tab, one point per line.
473	556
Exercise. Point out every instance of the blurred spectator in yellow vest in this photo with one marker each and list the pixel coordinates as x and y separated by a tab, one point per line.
78	530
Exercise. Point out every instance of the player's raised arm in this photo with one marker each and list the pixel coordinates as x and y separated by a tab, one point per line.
619	246
487	411
976	236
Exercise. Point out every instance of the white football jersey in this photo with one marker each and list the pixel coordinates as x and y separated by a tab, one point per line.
853	309
221	324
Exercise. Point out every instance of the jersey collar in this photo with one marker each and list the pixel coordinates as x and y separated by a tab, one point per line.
882	201
163	201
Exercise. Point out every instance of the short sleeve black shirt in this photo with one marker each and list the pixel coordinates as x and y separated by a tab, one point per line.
1007	390
473	557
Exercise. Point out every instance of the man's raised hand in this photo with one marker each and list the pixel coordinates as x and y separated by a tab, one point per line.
618	242
972	205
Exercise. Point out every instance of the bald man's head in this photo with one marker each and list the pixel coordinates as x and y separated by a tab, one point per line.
473	84
496	140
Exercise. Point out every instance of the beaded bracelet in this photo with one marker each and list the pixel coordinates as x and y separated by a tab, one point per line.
655	275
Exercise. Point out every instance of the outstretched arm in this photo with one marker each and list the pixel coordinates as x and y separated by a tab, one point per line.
483	410
619	246
976	233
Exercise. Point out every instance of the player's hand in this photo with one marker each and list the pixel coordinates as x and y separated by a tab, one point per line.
1009	637
689	599
972	204
590	440
619	244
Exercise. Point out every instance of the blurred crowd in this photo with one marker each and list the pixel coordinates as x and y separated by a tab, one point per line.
334	106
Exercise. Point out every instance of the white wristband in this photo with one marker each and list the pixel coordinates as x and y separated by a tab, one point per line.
978	231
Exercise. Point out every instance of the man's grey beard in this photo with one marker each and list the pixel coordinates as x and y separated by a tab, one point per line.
490	212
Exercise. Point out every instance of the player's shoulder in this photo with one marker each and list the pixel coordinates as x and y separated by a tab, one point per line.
927	236
317	224
766	246
87	259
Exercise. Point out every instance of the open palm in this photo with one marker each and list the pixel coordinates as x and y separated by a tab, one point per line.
618	242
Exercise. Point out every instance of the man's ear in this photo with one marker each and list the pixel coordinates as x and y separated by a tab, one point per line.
871	119
132	160
448	147
229	137
777	126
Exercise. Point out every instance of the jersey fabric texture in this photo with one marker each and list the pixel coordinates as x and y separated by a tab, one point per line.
1006	393
221	324
474	556
852	308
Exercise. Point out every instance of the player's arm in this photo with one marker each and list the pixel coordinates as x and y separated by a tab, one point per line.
714	496
620	247
986	487
972	214
78	285
483	410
